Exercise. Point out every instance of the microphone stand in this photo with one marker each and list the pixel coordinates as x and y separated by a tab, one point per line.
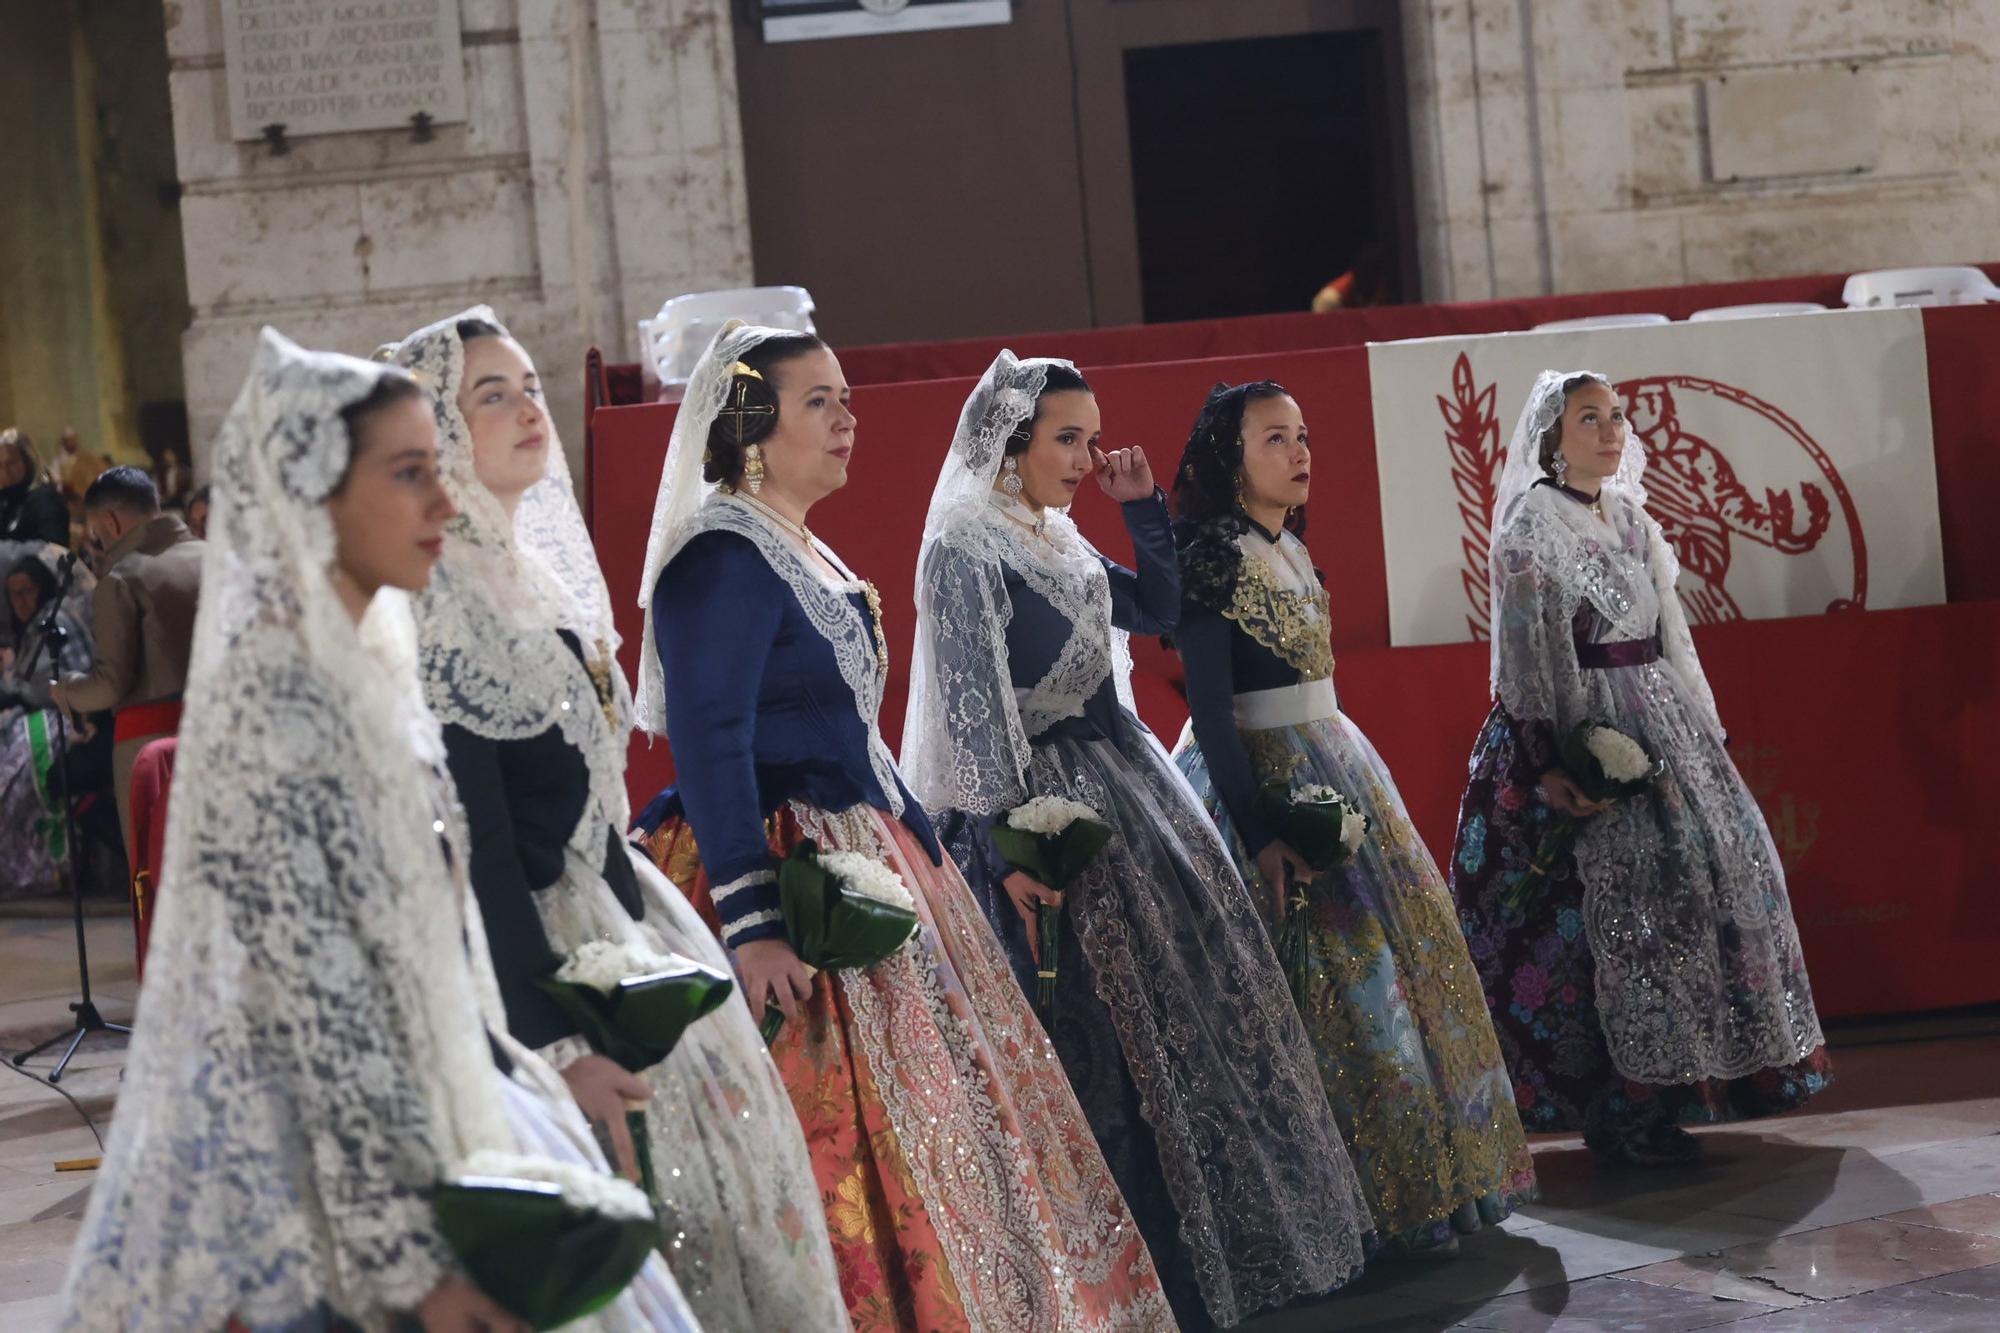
88	1020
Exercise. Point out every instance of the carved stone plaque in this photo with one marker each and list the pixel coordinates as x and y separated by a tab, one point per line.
329	66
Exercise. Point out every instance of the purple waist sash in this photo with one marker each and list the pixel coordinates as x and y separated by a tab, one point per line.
1626	653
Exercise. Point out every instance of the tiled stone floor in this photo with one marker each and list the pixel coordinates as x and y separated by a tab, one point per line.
1876	1209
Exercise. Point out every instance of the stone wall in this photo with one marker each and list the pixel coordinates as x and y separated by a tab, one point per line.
1576	145
598	172
1560	145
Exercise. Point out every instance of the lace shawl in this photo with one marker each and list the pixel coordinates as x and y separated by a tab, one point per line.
1551	560
856	650
967	731
309	1056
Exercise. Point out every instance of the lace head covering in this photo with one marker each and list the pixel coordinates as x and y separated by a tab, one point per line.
1547	400
309	1056
683	492
966	732
491	663
542	562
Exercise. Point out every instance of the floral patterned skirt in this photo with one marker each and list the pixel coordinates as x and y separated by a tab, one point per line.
961	1184
1405	1048
1535	965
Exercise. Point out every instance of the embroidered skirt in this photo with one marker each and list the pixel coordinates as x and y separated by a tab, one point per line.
962	1187
1406	1050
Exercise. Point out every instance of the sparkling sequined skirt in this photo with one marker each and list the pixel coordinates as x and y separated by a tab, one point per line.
1406	1050
1176	1027
961	1185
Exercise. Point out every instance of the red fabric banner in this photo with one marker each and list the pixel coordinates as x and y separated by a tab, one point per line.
1862	734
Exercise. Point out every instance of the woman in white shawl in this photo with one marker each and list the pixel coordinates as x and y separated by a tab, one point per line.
1642	968
518	665
1172	1018
311	1053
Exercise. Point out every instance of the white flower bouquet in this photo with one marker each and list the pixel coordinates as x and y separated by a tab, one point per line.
549	1241
633	1006
1606	765
1051	839
841	910
1326	829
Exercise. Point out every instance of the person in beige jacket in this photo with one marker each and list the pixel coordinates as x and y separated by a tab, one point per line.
148	579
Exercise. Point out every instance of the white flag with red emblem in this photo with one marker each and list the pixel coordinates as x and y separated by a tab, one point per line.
1788	460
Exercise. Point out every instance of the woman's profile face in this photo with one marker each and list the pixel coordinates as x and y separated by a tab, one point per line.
13	466
501	400
806	455
1057	459
390	512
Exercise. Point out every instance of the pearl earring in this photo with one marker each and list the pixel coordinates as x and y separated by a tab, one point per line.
1011	482
753	468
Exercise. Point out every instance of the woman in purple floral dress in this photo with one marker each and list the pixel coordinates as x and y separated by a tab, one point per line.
1644	971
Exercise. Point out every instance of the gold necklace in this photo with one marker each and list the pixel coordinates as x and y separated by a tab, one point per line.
792	526
869	592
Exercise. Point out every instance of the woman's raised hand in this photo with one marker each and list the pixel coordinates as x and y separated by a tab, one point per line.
1124	474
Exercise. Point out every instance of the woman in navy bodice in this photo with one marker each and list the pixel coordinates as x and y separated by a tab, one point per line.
961	1182
1389	995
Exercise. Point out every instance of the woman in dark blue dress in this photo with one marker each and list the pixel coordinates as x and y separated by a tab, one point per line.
1172	1017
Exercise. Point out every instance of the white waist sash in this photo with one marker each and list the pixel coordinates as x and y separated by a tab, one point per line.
1286	706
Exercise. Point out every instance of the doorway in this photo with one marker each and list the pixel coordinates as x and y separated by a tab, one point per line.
1261	171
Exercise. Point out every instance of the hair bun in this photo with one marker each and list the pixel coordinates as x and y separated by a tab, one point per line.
750	409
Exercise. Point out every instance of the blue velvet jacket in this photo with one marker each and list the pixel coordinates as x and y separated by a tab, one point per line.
757	714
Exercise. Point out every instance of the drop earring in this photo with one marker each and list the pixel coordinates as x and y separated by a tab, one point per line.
1560	466
753	468
1010	482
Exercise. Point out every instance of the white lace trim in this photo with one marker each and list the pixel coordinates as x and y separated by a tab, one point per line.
851	635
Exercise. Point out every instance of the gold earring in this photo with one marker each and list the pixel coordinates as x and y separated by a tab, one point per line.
753	468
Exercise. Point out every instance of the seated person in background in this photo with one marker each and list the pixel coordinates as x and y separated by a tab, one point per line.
31	510
197	513
31	827
143	615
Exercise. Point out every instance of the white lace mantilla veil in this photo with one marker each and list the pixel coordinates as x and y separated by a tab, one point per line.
309	1053
1558	534
504	587
682	495
966	732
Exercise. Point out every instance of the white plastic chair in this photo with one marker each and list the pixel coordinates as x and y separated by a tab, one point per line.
1917	286
1601	322
673	340
1756	310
